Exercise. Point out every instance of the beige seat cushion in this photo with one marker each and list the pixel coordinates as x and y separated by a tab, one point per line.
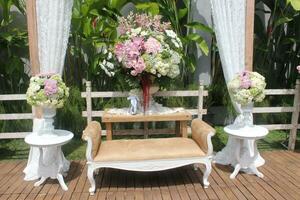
148	149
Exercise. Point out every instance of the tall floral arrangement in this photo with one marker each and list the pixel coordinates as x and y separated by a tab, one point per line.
247	87
147	47
47	90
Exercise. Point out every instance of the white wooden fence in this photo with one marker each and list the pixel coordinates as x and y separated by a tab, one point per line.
294	125
200	93
14	116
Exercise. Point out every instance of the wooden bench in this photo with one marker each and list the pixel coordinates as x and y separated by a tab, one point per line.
147	154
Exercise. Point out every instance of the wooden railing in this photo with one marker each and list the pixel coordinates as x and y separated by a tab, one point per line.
14	116
199	111
293	126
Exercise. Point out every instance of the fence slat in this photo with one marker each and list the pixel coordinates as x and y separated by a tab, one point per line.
277	126
272	109
16	116
13	135
12	97
280	91
110	94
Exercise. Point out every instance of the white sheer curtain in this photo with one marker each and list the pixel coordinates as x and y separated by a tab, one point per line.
53	24
229	24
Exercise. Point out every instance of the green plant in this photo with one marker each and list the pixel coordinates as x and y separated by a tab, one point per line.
277	47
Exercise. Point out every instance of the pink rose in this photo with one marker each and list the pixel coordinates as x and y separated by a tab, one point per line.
152	45
50	87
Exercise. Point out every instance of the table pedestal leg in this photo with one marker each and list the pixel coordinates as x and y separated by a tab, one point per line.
40	182
61	181
253	154
237	167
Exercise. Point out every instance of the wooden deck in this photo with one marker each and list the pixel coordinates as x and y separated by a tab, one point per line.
282	181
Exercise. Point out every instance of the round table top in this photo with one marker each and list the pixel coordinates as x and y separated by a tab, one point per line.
247	132
58	138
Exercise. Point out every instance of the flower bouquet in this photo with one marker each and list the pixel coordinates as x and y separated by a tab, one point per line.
48	92
247	87
147	48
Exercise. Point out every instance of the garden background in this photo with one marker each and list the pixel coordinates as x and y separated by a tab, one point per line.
93	31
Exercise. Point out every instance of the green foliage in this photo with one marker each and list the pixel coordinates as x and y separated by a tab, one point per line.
69	117
277	48
13	47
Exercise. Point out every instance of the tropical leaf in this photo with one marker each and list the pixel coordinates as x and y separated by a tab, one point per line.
199	26
295	4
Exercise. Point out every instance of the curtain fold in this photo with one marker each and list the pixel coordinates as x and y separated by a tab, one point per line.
229	26
53	23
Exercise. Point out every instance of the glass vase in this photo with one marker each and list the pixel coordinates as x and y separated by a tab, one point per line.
247	113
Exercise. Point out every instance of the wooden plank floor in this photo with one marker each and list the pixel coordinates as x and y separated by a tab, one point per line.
281	181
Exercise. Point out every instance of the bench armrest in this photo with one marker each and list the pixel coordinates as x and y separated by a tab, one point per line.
201	134
92	134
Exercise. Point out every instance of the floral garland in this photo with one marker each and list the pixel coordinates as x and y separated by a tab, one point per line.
47	90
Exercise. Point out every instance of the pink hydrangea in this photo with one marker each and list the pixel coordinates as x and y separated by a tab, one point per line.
245	80
152	45
50	87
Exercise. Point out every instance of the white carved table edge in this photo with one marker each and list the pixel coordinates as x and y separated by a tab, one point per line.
56	140
245	160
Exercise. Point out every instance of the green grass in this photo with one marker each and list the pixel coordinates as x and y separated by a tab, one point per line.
75	150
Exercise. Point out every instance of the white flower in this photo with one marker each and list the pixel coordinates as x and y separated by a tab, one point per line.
144	33
135	31
110	65
170	33
109	56
175	43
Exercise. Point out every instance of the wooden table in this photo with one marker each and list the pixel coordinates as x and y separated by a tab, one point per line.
181	118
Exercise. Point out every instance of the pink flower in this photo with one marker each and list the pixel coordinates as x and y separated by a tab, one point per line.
50	87
298	68
119	51
152	45
138	42
245	80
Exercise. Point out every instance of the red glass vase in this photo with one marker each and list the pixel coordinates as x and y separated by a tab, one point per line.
146	82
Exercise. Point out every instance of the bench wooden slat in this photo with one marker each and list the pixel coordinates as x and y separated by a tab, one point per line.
16	116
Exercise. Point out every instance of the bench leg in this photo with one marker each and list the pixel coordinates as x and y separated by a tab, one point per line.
206	174
90	175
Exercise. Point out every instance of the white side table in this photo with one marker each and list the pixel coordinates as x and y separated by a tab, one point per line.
51	162
245	158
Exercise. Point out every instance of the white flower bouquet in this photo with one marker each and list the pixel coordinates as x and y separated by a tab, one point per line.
47	90
247	87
